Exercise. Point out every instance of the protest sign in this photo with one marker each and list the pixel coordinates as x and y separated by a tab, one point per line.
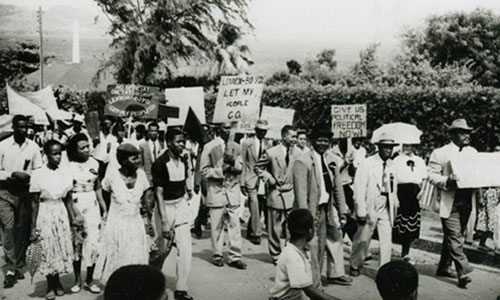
349	121
184	98
477	170
239	99
277	118
124	100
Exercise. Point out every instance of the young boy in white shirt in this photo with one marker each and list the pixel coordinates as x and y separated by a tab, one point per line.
294	277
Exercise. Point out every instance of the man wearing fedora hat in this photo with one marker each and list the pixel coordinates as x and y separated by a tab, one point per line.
252	150
456	204
318	187
375	197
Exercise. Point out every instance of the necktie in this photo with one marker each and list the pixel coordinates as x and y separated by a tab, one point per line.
154	151
287	156
384	178
260	149
326	176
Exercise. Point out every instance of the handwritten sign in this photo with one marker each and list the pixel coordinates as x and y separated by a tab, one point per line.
349	120
124	100
276	117
238	99
477	170
184	98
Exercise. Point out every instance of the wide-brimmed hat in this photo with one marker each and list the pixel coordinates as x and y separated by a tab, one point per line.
459	124
386	139
261	124
321	130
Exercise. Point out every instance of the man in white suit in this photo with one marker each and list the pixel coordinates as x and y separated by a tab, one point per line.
375	202
455	204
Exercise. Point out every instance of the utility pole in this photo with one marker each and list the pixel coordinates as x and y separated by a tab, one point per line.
40	12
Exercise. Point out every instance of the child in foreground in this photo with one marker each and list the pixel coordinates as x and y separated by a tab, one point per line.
294	278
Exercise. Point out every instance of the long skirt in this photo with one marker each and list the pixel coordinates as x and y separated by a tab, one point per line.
407	223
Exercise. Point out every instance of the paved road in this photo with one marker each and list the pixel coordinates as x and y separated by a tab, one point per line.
208	282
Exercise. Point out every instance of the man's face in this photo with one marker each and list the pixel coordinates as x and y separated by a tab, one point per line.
177	144
302	140
153	133
106	124
461	138
385	151
260	133
20	129
224	133
356	144
290	138
320	144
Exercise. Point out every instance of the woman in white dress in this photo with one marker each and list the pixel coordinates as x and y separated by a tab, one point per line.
52	211
83	170
124	240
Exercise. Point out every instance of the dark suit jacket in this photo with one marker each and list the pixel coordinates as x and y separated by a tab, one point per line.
307	189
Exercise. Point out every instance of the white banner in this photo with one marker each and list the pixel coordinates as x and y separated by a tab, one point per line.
239	99
349	121
277	117
183	98
19	105
477	170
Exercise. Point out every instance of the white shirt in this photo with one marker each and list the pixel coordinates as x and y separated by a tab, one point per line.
257	145
293	273
345	178
324	194
404	172
222	143
358	155
152	146
176	170
24	158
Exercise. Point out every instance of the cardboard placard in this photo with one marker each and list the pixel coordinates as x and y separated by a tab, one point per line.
184	98
349	120
276	117
477	170
239	99
129	100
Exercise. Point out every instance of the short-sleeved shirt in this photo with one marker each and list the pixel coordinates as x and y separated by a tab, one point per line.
170	176
293	273
410	169
24	158
51	184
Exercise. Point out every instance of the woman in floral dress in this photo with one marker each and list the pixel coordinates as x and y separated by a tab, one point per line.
52	211
124	240
87	201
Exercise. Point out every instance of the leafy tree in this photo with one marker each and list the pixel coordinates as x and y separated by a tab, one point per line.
470	39
152	38
294	67
327	58
367	70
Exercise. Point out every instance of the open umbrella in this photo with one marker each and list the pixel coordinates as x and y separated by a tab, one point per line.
403	133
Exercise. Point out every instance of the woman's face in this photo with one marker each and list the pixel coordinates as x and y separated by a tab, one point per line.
83	150
54	155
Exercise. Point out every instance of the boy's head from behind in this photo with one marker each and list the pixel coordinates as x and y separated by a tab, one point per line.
301	224
136	282
397	280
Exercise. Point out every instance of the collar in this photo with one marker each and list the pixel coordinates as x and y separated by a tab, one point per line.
14	143
379	159
220	140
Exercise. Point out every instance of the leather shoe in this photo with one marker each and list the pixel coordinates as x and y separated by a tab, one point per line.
238	264
342	280
449	274
10	280
354	272
197	231
255	240
218	262
182	295
19	275
463	280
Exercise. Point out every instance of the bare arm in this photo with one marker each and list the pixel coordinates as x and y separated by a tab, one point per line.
100	198
317	294
35	203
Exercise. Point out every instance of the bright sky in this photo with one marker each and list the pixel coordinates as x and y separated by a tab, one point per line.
314	21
